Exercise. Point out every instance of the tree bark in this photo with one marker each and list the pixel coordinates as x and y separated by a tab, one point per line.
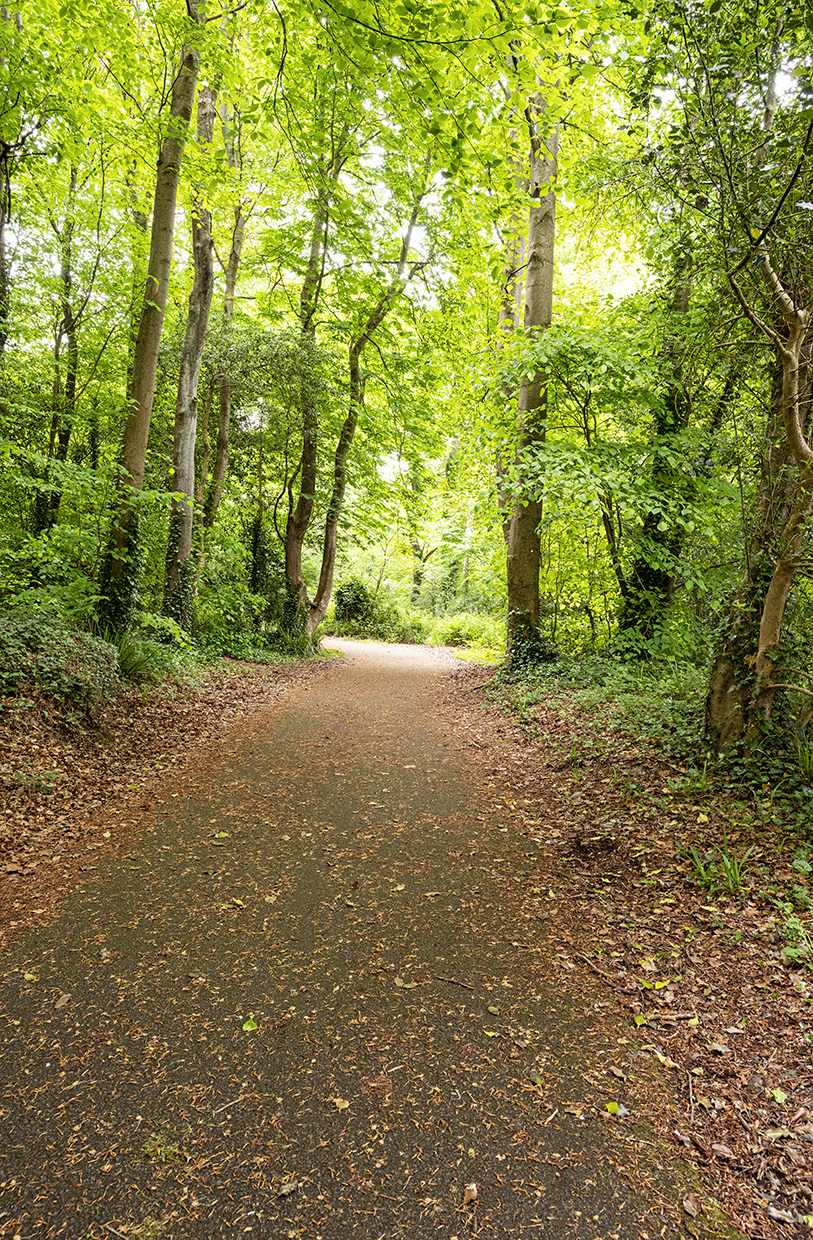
300	511
523	544
211	495
178	575
121	568
312	613
745	675
63	394
650	582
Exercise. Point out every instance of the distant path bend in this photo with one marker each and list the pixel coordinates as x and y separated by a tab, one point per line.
339	882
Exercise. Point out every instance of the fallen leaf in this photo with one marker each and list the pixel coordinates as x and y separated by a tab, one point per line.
62	1000
341	1104
617	1108
400	887
720	1048
495	1011
469	1193
29	977
778	1095
691	1205
249	1025
536	1078
723	1151
573	1109
285	1190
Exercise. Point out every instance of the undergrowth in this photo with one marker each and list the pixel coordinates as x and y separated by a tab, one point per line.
661	704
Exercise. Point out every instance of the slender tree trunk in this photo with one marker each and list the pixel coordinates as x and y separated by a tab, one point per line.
650	582
523	545
178	577
121	568
63	393
300	511
208	506
314	612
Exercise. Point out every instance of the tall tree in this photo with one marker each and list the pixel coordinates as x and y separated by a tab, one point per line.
536	251
121	567
178	578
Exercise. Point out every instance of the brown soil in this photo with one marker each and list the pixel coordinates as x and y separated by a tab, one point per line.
362	950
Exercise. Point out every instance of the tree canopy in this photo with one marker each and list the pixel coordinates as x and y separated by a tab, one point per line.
272	319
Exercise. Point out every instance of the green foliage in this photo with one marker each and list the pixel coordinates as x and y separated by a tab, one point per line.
120	578
143	660
162	629
360	612
42	655
528	650
354	602
721	869
468	629
659	703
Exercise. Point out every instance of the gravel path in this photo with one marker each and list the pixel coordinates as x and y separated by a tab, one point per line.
304	1006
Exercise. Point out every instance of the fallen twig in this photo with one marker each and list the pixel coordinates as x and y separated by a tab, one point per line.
607	976
233	1103
454	981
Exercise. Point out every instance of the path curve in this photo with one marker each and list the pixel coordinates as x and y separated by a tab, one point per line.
301	1007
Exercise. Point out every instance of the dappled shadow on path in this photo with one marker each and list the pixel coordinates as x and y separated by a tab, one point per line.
301	1007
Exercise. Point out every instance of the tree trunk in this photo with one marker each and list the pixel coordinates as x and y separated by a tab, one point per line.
178	576
122	565
63	398
523	545
207	507
744	678
650	582
311	614
300	512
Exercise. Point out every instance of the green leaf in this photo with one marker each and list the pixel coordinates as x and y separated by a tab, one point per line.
249	1025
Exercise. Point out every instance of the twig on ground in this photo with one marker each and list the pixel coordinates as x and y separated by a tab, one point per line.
607	976
454	981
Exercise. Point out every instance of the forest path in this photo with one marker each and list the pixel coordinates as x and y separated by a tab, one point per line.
340	882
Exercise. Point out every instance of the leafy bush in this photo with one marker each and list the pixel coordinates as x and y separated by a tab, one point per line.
162	629
228	620
468	629
142	659
41	654
354	602
375	617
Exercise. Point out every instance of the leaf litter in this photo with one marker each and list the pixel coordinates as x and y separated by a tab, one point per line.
675	966
399	1070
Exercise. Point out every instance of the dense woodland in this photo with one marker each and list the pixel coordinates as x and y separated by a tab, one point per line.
429	320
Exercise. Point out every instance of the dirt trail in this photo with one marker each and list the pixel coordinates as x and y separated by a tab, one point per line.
339	882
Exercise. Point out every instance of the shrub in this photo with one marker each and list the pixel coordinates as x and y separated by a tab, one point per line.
142	659
41	654
162	629
468	629
354	602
